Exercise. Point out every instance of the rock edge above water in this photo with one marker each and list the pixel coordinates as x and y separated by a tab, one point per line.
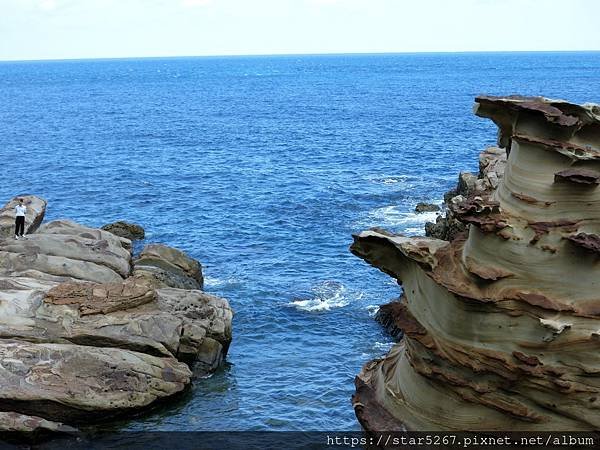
88	333
500	315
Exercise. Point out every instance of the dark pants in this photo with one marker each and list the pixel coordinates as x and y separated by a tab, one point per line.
19	225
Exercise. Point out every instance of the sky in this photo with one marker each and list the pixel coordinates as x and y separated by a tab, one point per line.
65	29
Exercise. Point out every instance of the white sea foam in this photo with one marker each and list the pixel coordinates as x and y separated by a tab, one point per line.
373	309
326	296
217	282
383	346
394	217
390	179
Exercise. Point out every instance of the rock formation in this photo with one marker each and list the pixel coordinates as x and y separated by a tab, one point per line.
492	162
36	208
126	230
168	267
501	323
426	207
84	337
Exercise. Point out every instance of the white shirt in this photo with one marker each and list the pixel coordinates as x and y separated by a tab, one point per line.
20	210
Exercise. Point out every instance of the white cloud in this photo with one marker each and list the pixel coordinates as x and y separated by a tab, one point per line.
195	3
47	5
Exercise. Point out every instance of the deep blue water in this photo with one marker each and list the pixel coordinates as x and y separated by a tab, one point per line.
262	168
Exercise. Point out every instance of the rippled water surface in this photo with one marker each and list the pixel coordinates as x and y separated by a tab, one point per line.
262	168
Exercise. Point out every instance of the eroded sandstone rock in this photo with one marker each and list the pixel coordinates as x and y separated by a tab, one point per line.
21	424
206	333
168	267
492	162
426	207
500	325
36	208
74	383
126	230
87	340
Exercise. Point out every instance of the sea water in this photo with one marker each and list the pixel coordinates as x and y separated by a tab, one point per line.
262	168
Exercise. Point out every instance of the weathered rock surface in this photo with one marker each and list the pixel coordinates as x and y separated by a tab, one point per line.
168	267
36	208
500	325
11	422
206	332
70	228
76	383
492	162
81	339
426	207
65	255
387	317
126	230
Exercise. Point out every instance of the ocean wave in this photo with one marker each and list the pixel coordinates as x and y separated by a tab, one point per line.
383	346
390	179
396	217
219	282
326	296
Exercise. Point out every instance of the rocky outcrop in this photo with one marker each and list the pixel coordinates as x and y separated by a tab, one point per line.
81	339
20	424
492	162
206	325
426	207
77	383
500	324
168	267
36	208
387	316
82	257
125	230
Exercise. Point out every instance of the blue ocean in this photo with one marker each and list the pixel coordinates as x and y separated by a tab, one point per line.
262	168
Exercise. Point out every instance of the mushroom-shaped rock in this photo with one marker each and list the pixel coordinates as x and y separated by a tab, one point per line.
500	325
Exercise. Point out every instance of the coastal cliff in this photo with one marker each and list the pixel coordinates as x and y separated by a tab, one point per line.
500	318
88	332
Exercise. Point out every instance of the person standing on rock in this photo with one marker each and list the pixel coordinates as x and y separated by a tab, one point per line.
20	211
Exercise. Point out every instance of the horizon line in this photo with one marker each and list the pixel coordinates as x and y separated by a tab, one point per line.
263	55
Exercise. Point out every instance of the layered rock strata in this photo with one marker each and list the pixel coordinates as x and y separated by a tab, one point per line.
164	266
500	323
492	162
82	338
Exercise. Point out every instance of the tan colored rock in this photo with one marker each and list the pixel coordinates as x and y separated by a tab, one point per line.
12	422
70	228
63	251
168	267
36	208
50	252
81	340
125	230
24	314
129	315
101	298
501	325
76	383
206	318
